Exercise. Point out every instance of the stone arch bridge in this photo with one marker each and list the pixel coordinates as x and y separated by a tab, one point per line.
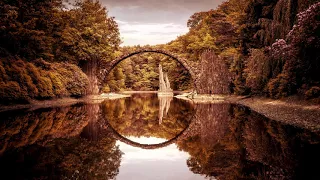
210	75
107	67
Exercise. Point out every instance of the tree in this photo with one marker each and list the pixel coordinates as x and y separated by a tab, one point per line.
28	27
89	35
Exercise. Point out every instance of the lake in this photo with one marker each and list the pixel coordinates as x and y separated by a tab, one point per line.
149	137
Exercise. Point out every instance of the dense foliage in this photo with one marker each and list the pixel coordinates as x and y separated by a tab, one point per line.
21	81
43	42
47	29
270	47
284	63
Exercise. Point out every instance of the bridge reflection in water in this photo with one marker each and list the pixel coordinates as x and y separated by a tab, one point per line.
224	141
163	108
125	140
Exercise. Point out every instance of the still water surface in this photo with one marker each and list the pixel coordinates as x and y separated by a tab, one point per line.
146	137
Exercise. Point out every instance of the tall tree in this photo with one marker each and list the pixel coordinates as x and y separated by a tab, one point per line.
89	34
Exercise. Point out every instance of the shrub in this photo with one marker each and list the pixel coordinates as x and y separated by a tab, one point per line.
75	81
21	81
47	88
11	91
281	86
58	86
43	84
19	74
3	74
106	89
313	92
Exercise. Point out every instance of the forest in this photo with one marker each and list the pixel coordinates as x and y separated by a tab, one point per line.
270	48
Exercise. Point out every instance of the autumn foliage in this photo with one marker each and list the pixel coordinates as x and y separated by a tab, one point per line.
270	48
21	81
44	45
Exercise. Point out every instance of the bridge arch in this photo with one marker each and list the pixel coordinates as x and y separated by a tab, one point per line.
182	134
107	67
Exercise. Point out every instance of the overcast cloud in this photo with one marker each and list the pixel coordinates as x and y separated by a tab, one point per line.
154	21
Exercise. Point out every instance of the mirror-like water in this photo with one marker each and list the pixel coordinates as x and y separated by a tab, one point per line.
146	137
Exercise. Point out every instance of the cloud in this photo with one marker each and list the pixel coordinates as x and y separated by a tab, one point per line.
158	11
129	31
169	5
154	21
149	33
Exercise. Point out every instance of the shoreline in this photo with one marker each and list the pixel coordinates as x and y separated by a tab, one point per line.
291	110
68	101
146	92
61	102
296	113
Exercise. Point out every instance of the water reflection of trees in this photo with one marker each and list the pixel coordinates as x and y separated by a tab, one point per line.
224	141
19	129
59	143
72	143
139	116
233	143
74	158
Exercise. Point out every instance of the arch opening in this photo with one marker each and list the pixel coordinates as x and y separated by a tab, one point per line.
107	68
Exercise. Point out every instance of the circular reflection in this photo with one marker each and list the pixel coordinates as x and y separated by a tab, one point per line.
146	140
146	115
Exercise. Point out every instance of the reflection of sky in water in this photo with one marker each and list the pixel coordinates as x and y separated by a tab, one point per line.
163	163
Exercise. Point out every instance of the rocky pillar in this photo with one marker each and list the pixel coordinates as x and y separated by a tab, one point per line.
162	83
167	82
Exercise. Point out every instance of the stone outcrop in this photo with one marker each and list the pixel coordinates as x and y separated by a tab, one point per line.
164	84
167	82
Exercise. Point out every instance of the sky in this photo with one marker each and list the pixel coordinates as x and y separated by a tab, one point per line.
154	21
165	163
